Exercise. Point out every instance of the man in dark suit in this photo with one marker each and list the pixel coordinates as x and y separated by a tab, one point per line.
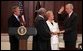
14	21
70	26
42	40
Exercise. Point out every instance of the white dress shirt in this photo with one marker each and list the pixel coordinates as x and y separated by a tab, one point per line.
16	17
70	13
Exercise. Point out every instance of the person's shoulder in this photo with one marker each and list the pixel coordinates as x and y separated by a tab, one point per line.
47	22
55	22
12	17
75	14
38	18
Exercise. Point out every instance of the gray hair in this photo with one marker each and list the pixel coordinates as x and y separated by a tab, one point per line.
41	11
70	5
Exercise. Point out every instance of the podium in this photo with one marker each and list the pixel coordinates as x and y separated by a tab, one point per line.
22	33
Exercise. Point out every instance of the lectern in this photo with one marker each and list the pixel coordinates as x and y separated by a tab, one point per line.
22	33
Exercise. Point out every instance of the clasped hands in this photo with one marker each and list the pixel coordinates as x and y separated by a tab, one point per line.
58	32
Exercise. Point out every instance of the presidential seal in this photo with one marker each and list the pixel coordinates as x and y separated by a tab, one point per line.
22	30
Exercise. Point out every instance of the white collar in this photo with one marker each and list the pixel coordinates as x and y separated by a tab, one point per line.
50	22
70	13
41	16
16	17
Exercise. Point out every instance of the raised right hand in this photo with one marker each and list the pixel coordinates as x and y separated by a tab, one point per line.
61	10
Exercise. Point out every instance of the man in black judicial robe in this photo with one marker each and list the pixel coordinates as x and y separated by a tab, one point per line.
42	40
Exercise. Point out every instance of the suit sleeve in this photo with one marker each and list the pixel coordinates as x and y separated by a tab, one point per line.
9	22
61	17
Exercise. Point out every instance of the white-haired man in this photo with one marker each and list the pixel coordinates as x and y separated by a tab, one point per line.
70	26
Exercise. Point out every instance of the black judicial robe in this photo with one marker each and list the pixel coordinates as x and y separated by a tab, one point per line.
42	40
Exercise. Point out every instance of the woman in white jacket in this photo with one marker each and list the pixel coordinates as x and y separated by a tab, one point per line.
53	26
